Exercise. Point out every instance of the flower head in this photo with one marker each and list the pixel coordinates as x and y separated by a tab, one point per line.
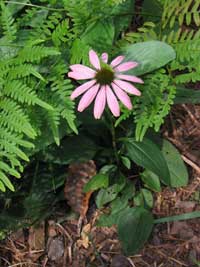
107	84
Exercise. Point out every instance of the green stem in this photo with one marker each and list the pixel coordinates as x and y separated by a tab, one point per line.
114	143
37	6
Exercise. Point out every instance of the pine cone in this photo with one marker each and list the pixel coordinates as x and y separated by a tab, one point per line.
78	175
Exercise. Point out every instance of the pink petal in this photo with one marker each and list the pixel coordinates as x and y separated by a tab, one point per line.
94	59
129	88
88	97
81	89
123	97
100	103
117	61
130	78
81	68
104	57
80	76
126	66
81	72
112	102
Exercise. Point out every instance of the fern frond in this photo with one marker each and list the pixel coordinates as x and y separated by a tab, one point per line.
23	94
53	120
62	89
35	54
8	25
60	33
144	33
24	70
4	179
181	11
14	118
154	104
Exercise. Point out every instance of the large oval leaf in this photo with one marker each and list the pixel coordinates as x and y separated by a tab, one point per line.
134	227
177	169
150	55
148	155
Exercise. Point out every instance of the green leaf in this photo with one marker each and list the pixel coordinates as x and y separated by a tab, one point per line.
148	197
134	228
111	219
148	155
187	95
122	22
150	55
150	8
118	205
6	181
177	168
43	104
99	35
151	180
2	187
126	161
138	200
16	6
107	195
181	217
98	181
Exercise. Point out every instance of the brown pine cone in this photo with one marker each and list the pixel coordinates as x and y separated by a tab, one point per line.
78	175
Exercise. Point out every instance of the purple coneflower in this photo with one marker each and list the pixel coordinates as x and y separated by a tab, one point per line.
106	84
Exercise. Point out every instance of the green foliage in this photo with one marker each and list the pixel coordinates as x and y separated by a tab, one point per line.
118	205
187	95
154	104
134	221
144	33
150	56
109	194
180	11
32	95
148	155
7	22
185	40
98	181
38	42
34	199
151	180
159	90
177	168
84	13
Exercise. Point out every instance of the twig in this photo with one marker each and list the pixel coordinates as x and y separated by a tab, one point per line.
44	262
64	231
69	247
96	252
192	117
193	189
170	258
191	163
5	260
129	259
25	262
